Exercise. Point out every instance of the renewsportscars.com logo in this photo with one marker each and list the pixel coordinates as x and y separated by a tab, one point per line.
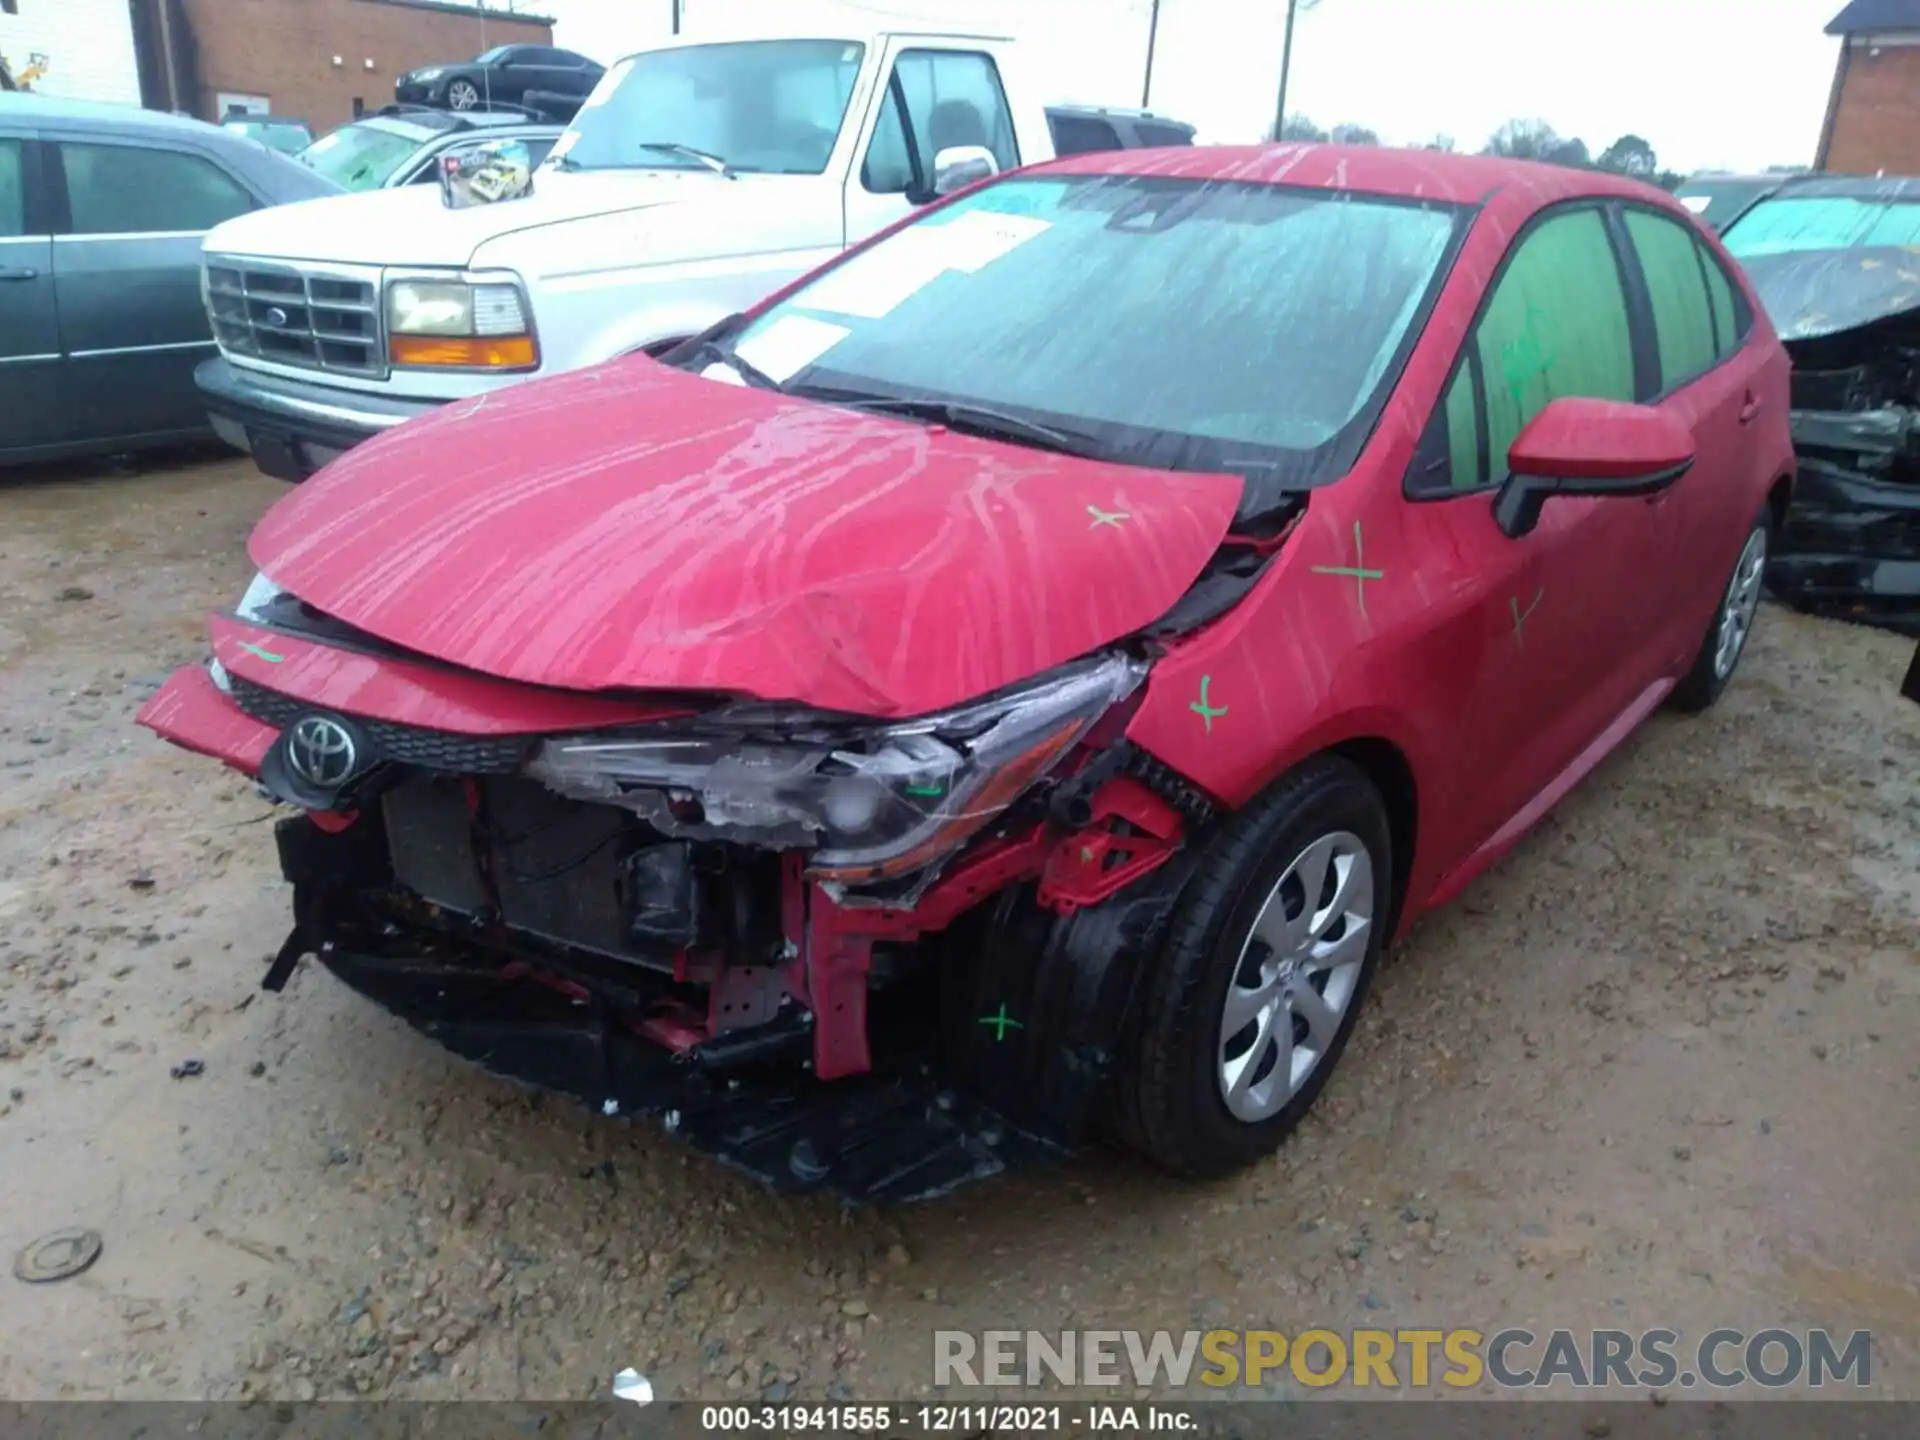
1402	1359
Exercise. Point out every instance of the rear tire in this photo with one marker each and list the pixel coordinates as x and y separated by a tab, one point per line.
1732	624
1267	961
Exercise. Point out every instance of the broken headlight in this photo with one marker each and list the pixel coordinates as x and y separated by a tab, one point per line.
870	804
260	594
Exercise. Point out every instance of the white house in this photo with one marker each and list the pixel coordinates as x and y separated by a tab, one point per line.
80	49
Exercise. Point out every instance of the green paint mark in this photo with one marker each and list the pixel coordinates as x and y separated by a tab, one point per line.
1358	570
1520	617
1086	854
1106	517
926	790
1203	709
1001	1022
262	651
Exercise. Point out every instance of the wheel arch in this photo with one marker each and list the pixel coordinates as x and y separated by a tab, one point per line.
1386	766
1779	496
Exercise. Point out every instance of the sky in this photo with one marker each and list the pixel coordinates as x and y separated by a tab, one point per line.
1711	84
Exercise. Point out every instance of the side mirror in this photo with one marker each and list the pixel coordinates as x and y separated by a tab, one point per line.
959	166
485	174
1578	446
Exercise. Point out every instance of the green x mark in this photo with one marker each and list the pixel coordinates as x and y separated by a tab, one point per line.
1002	1022
1205	711
262	651
1106	517
1520	617
1358	570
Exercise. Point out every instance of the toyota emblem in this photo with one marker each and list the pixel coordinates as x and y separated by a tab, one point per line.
322	752
277	316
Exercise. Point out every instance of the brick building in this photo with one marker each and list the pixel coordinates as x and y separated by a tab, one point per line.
320	60
1873	115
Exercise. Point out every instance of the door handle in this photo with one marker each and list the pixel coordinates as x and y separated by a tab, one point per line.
1749	408
23	273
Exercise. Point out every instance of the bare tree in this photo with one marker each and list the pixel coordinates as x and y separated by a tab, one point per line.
1347	134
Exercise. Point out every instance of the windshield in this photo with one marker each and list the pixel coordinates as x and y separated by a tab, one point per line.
364	156
1718	201
1789	225
764	105
1188	325
489	57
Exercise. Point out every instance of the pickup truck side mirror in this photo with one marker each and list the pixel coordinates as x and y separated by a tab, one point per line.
959	166
486	173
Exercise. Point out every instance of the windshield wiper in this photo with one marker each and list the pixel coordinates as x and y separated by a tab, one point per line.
711	352
968	419
711	161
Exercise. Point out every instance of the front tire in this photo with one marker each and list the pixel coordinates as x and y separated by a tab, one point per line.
462	94
1266	963
1732	624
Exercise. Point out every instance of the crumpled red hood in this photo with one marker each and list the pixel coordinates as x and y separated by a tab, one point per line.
638	527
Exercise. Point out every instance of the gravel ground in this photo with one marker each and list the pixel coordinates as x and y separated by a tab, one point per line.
1660	1068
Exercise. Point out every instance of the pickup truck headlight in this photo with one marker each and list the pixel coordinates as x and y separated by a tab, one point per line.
869	803
459	325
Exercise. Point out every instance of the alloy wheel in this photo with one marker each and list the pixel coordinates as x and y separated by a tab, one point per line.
1741	601
1298	971
461	95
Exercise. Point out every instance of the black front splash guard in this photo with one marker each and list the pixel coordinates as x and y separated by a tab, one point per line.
873	1139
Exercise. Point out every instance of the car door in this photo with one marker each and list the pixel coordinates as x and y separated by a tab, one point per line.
29	322
1564	608
933	99
1698	322
126	265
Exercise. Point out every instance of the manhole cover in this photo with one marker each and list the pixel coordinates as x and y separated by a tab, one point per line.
56	1256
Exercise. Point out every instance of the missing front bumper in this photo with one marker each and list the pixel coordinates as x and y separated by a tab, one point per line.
873	1139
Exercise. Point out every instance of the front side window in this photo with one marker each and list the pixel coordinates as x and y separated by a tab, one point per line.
133	190
937	100
13	188
1789	225
1555	325
771	106
1684	326
1186	324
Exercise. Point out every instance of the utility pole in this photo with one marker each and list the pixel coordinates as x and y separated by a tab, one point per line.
676	16
1286	64
1153	34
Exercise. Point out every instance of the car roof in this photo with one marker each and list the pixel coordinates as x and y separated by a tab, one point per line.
1369	169
93	113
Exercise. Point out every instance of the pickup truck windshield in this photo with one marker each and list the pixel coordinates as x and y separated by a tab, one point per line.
1207	326
772	106
1826	222
365	155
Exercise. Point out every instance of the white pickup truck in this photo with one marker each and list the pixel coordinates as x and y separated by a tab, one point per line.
697	178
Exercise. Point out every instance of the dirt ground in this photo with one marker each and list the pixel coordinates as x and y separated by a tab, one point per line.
1660	1068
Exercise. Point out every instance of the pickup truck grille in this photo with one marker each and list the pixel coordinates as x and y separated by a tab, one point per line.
311	317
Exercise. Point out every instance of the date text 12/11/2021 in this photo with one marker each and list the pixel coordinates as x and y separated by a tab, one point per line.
942	1419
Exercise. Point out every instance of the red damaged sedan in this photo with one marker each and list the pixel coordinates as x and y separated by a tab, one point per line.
1008	688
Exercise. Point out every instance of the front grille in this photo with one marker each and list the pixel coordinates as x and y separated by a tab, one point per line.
313	317
433	750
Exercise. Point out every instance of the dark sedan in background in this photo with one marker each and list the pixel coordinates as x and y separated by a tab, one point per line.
101	322
551	80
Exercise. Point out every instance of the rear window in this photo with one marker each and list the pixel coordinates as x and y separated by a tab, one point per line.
1082	135
1155	132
